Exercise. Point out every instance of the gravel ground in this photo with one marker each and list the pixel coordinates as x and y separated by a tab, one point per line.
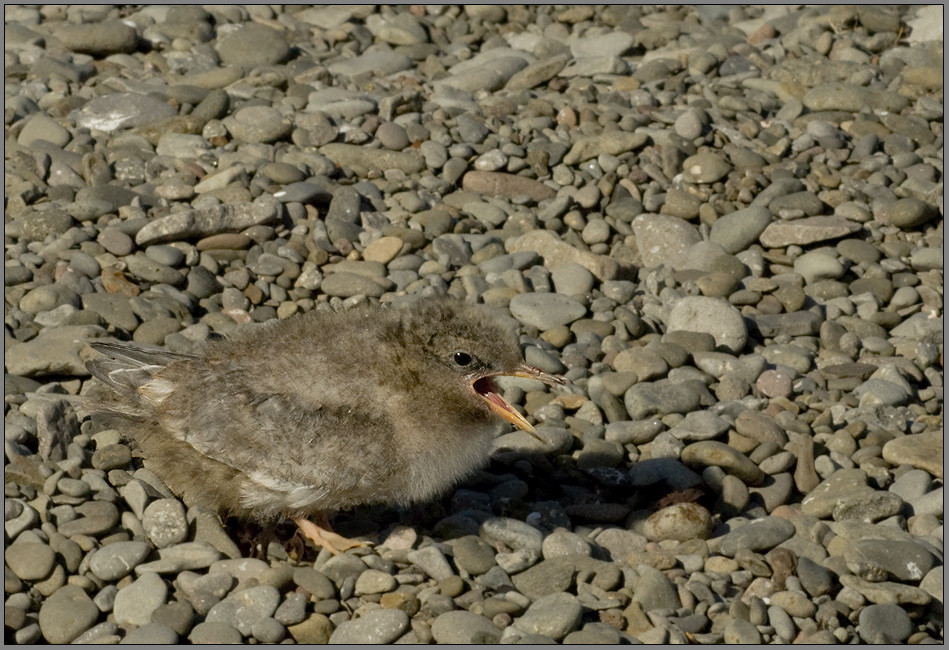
723	224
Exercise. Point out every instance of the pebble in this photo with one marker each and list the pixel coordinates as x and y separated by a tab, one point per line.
151	633
66	614
760	534
165	523
713	316
493	183
661	238
809	230
922	450
30	560
464	627
545	311
737	230
681	521
241	610
376	626
552	616
115	561
135	603
654	590
884	624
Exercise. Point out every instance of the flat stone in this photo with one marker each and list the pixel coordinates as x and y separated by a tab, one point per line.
98	38
253	44
714	316
681	522
556	252
545	310
758	535
464	627
852	98
507	185
115	561
738	230
921	450
660	238
611	143
375	626
904	560
884	624
203	222
66	614
660	398
360	159
135	603
706	167
713	453
30	560
243	608
553	616
808	230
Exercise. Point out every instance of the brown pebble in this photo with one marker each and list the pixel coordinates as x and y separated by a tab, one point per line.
774	383
114	281
226	240
761	34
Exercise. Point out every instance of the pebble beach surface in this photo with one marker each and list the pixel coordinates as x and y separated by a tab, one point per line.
722	224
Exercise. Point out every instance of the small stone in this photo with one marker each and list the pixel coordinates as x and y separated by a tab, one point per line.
165	522
705	167
805	231
714	316
654	590
375	626
553	616
545	310
115	561
244	608
66	614
507	185
681	521
922	450
661	238
759	535
464	627
317	628
135	603
30	560
383	250
884	624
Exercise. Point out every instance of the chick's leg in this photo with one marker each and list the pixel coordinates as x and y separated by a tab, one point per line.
320	533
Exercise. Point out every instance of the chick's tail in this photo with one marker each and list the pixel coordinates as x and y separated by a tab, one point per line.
124	369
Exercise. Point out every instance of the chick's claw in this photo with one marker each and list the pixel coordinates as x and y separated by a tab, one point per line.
321	535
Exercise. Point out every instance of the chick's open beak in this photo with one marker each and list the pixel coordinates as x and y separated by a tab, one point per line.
487	390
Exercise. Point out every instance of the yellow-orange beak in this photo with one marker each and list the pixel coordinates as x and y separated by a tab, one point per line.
486	389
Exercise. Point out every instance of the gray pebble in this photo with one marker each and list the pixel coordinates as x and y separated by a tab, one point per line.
375	626
165	522
545	311
243	609
30	560
210	632
552	616
151	633
884	624
758	535
115	561
66	614
135	603
464	627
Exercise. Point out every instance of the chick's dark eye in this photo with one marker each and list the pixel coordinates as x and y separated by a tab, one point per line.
461	358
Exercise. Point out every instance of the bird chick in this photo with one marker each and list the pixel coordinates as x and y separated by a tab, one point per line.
323	411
